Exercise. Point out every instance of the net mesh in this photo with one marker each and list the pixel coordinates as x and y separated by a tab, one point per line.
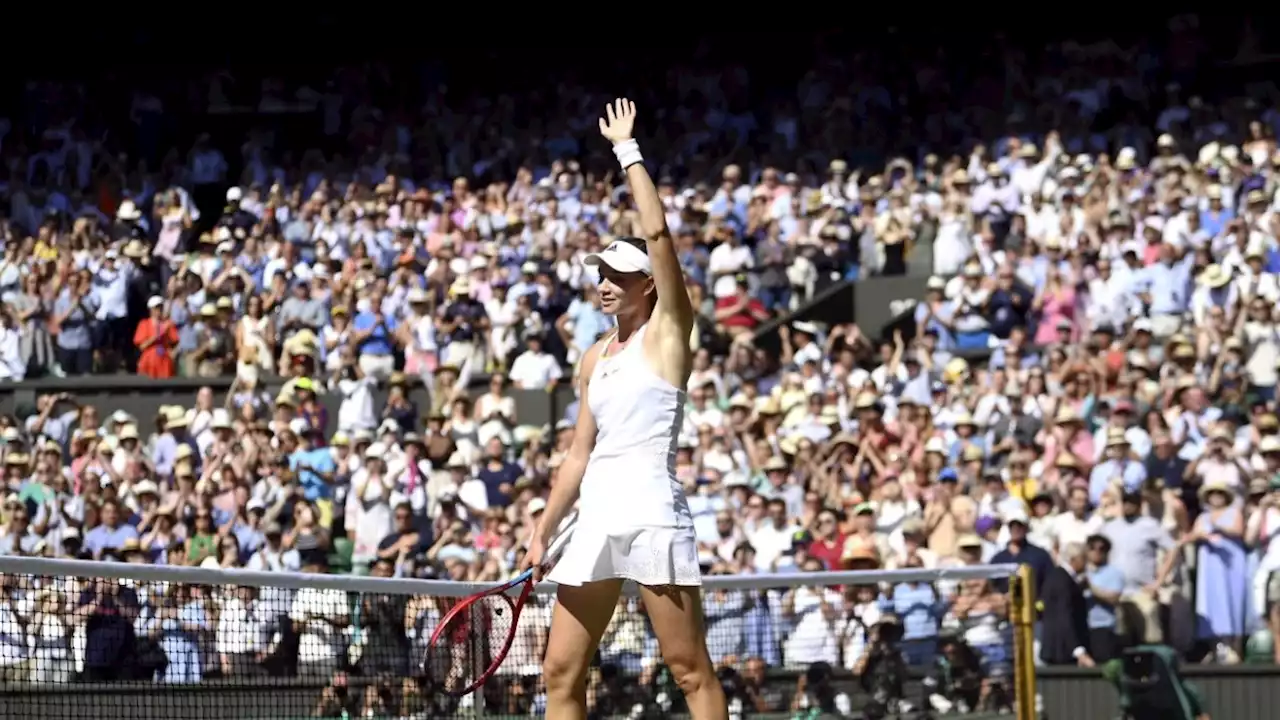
188	644
465	645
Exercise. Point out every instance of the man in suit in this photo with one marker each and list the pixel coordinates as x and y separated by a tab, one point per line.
1065	629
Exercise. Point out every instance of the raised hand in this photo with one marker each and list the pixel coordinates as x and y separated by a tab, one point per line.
619	119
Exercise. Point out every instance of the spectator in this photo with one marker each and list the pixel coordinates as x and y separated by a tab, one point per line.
1138	541
320	615
1065	616
1102	597
108	610
156	338
113	533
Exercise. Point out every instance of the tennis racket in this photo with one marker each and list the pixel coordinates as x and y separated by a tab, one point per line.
473	638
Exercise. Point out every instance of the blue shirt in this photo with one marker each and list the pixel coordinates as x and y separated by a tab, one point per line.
918	607
571	411
75	327
589	323
760	640
103	538
313	486
111	290
165	454
1214	222
379	343
249	540
1132	473
725	623
1168	286
1109	579
933	322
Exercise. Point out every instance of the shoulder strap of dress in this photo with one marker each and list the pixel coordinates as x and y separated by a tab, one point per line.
608	340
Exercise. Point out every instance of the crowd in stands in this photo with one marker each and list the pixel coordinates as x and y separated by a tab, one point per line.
1088	384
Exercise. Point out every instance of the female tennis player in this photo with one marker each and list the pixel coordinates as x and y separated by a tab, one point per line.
633	518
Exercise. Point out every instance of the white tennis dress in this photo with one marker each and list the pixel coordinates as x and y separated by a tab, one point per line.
633	517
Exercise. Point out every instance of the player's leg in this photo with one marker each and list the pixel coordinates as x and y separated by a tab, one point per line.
675	611
581	615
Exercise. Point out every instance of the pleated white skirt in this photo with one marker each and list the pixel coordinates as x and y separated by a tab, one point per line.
649	556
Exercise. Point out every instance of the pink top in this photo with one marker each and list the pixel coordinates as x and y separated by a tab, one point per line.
1060	305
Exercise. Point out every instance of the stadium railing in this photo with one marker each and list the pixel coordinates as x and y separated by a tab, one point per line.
83	639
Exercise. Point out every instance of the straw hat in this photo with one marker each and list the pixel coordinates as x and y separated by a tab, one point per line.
1215	277
1067	460
176	417
866	401
1067	416
774	463
1217	486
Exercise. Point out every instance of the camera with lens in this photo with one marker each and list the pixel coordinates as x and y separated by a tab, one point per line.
818	690
956	680
884	676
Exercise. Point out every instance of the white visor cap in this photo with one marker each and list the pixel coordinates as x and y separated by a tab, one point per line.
622	257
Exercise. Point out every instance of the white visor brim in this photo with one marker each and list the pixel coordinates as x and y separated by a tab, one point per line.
622	257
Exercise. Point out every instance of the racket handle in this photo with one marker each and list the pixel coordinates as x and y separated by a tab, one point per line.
557	547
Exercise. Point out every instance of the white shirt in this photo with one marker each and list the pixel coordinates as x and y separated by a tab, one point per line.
241	628
1268	525
1067	528
12	365
726	259
770	542
696	418
535	371
356	411
813	637
319	640
951	247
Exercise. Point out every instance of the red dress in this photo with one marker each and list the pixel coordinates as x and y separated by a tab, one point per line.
156	361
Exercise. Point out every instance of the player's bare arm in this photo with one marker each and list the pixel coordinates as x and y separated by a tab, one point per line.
667	343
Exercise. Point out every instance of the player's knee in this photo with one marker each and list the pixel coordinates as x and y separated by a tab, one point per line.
690	669
564	673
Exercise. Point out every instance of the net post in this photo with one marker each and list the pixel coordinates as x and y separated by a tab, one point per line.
1022	605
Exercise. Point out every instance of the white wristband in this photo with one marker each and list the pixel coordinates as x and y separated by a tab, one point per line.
628	153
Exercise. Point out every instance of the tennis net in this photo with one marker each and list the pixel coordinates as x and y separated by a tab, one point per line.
93	639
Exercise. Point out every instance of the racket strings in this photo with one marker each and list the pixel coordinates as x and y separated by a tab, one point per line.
469	645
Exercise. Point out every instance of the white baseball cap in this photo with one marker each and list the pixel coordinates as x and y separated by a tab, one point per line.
623	257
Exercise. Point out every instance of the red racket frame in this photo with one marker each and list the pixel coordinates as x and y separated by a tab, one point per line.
516	606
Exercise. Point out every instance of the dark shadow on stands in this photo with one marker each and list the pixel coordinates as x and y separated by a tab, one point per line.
831	306
870	302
